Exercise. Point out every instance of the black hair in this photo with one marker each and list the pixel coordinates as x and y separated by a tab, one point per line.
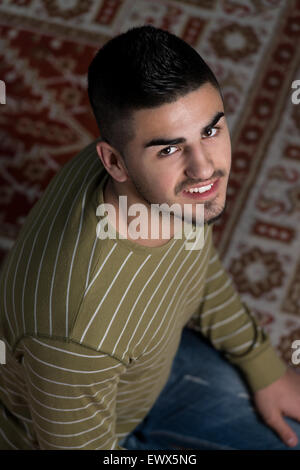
142	68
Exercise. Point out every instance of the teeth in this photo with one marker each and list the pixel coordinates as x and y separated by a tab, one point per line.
199	190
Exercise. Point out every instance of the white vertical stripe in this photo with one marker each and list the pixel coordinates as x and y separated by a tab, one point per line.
28	441
120	303
137	299
40	225
104	297
171	321
90	263
7	440
57	254
76	242
175	309
5	302
100	269
158	286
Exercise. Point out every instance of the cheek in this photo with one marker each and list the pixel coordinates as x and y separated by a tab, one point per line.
227	144
167	182
224	152
161	180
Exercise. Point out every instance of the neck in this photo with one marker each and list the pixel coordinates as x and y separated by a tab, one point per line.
111	195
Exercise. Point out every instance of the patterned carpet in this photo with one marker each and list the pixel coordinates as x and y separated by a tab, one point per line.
253	48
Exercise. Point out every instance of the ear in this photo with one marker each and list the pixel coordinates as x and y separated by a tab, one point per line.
112	161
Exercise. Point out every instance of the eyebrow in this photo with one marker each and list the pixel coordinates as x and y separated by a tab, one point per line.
181	140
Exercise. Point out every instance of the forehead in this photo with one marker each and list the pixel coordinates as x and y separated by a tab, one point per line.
197	106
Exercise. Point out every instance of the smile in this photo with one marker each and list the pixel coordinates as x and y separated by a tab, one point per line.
201	192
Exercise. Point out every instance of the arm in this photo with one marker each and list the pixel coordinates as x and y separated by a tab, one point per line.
231	328
72	394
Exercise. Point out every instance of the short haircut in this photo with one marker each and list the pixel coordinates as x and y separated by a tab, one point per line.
144	67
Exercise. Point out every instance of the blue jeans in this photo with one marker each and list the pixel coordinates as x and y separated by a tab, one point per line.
205	404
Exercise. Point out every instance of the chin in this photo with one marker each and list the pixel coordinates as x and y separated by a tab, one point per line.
214	218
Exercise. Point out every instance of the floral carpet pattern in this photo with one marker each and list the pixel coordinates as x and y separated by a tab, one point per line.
253	48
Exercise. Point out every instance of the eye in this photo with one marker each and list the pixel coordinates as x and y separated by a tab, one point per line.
212	131
165	150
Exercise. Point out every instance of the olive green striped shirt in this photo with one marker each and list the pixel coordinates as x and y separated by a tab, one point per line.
91	326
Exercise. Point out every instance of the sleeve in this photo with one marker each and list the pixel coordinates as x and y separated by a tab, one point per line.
71	391
231	328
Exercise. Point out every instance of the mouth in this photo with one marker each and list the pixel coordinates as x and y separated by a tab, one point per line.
201	192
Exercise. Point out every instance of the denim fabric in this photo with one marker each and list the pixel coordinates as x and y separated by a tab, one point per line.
206	404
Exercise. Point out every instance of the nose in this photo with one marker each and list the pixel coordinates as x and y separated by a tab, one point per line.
199	164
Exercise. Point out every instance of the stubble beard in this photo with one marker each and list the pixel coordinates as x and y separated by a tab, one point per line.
209	206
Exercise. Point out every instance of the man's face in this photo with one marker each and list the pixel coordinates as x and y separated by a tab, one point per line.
177	146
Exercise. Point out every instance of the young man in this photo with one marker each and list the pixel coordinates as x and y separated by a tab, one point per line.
93	325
